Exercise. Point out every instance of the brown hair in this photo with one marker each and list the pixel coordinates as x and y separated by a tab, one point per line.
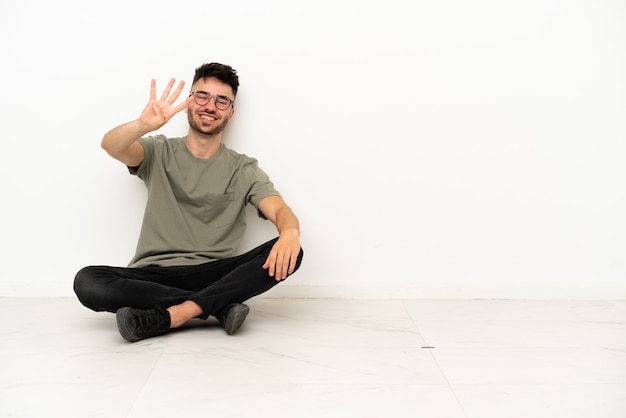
224	73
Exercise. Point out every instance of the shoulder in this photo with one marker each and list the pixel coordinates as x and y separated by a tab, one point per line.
161	144
242	159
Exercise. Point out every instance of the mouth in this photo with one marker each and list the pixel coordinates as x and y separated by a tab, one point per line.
208	117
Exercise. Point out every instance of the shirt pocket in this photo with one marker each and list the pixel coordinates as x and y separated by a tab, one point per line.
218	210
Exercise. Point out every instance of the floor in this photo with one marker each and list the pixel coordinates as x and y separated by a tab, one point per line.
322	358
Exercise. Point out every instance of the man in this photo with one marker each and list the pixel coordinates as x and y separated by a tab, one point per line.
184	266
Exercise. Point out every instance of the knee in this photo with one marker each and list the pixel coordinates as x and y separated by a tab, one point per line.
85	286
299	259
81	280
301	255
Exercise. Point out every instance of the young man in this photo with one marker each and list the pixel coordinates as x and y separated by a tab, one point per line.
184	266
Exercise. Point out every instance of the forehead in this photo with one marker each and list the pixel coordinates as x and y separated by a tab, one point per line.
213	86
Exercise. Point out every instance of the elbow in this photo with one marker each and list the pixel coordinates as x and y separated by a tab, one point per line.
105	144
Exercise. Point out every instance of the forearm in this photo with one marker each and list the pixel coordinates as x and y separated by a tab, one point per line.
121	137
282	259
121	142
287	222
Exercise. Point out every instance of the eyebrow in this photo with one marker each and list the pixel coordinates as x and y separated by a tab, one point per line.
218	95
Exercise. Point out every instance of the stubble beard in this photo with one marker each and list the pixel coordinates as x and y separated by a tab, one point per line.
206	131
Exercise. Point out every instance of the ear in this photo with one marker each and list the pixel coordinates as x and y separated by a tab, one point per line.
189	101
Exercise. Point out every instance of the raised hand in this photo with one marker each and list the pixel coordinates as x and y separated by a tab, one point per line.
159	111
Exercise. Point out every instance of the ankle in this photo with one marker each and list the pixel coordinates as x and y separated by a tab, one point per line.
179	314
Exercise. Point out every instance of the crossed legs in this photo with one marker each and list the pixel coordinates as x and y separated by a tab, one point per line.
184	292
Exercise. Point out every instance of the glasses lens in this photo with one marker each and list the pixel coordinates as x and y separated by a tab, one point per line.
222	102
201	98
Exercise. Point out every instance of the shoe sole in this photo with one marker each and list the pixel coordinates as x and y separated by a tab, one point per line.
236	316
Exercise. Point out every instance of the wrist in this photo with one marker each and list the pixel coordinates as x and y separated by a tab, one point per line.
290	232
141	127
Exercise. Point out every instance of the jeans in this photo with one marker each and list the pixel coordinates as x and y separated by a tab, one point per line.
212	285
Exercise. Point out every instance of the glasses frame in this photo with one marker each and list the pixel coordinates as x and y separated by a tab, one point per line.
231	102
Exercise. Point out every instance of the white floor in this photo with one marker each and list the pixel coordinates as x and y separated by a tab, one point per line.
322	358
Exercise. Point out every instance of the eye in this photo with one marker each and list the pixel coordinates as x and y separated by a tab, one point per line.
223	101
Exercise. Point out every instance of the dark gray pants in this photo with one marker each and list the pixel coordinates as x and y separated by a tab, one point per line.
212	285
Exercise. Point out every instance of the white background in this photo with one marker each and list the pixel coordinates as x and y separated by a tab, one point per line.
436	149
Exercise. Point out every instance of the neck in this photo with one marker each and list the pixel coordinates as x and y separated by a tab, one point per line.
203	146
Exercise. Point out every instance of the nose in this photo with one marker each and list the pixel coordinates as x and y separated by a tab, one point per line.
208	103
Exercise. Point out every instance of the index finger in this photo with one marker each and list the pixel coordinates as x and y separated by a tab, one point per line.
183	105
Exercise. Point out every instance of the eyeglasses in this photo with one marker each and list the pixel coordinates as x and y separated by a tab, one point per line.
202	98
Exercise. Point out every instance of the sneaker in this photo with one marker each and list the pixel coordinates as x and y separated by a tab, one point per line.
233	316
137	324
